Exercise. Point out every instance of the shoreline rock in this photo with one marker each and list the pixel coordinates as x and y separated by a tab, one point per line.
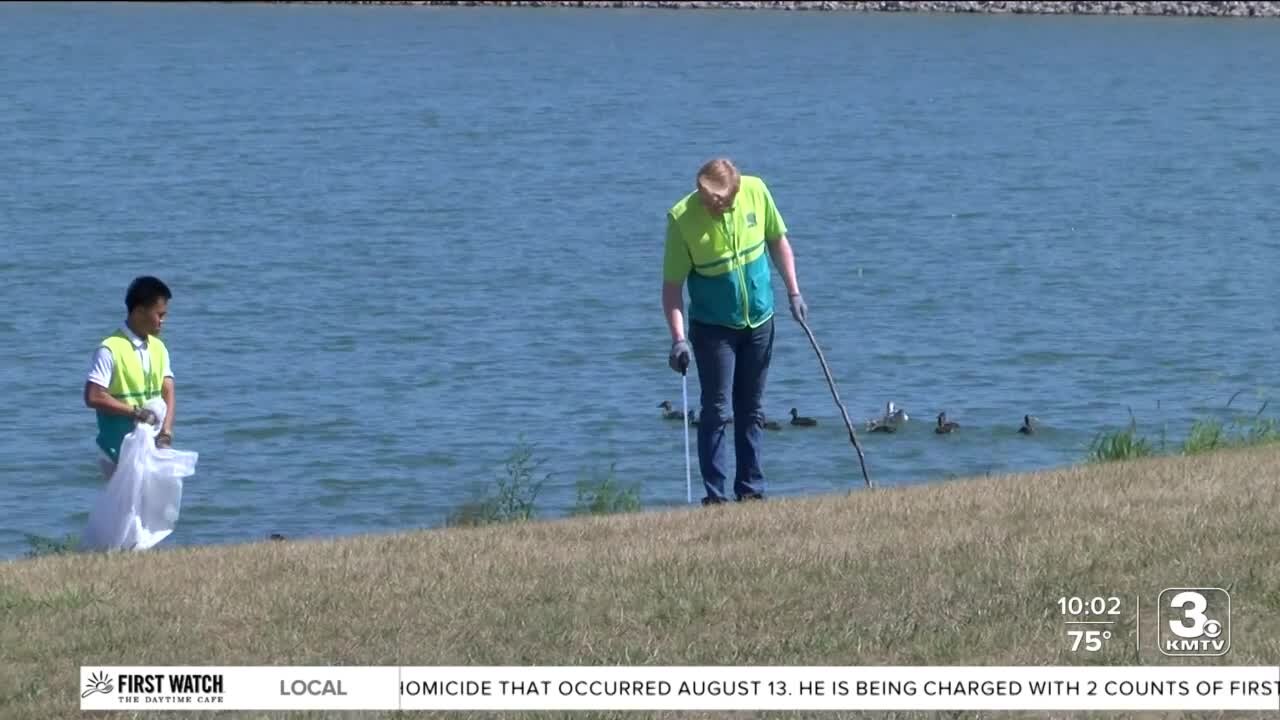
1168	8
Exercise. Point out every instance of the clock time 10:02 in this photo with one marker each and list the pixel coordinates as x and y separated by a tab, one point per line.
1076	606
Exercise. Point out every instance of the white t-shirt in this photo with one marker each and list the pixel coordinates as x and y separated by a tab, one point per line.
103	364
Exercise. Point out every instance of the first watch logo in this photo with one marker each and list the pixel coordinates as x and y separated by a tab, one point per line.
1194	622
99	682
105	689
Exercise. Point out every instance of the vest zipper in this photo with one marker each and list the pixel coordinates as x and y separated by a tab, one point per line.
731	228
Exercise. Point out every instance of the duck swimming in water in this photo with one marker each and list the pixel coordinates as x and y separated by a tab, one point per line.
880	426
945	426
893	417
895	414
772	425
796	419
1027	427
669	412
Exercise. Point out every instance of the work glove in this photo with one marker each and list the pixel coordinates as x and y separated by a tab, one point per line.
143	415
679	357
799	310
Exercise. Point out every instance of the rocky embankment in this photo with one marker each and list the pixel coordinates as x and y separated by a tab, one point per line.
1084	7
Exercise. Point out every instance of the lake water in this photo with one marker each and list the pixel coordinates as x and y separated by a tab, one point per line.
401	238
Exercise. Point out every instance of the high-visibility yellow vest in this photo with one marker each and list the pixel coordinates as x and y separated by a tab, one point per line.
131	385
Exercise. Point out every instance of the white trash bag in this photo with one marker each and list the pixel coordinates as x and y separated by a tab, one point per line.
140	504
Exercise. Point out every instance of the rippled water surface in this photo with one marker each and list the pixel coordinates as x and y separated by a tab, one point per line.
400	238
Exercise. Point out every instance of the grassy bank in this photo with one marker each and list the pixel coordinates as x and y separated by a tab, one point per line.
967	572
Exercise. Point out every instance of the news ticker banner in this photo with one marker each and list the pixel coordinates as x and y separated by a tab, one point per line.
681	688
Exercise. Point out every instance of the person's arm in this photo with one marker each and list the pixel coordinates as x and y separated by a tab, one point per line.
97	382
97	397
165	438
673	309
95	389
785	261
676	266
775	232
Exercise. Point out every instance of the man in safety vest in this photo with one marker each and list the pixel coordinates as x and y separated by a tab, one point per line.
131	367
717	238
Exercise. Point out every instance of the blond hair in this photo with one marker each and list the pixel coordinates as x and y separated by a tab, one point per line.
719	177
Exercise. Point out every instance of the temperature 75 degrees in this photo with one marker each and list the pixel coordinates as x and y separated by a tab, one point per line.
1090	640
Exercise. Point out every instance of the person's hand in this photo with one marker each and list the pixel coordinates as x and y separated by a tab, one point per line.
679	357
799	310
164	440
143	415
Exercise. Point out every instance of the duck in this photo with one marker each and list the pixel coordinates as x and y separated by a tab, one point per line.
889	422
772	425
796	419
1028	428
945	426
277	537
895	414
880	425
668	412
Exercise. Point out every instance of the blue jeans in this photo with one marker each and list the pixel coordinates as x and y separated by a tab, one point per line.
733	364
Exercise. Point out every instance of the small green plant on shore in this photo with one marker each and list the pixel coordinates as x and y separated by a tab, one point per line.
1211	434
514	495
1206	435
604	496
1263	430
40	546
1124	444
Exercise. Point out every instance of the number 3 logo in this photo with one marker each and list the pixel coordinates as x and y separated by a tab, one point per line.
1193	605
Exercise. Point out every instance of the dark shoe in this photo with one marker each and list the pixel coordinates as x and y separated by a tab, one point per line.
752	496
709	500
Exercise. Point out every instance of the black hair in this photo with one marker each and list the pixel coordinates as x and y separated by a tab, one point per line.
146	291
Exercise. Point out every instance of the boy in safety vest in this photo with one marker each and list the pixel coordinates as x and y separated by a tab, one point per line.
130	367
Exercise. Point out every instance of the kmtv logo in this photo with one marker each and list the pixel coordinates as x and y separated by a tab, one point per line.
1194	621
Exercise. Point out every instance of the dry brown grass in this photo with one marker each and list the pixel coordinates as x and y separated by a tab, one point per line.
966	572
